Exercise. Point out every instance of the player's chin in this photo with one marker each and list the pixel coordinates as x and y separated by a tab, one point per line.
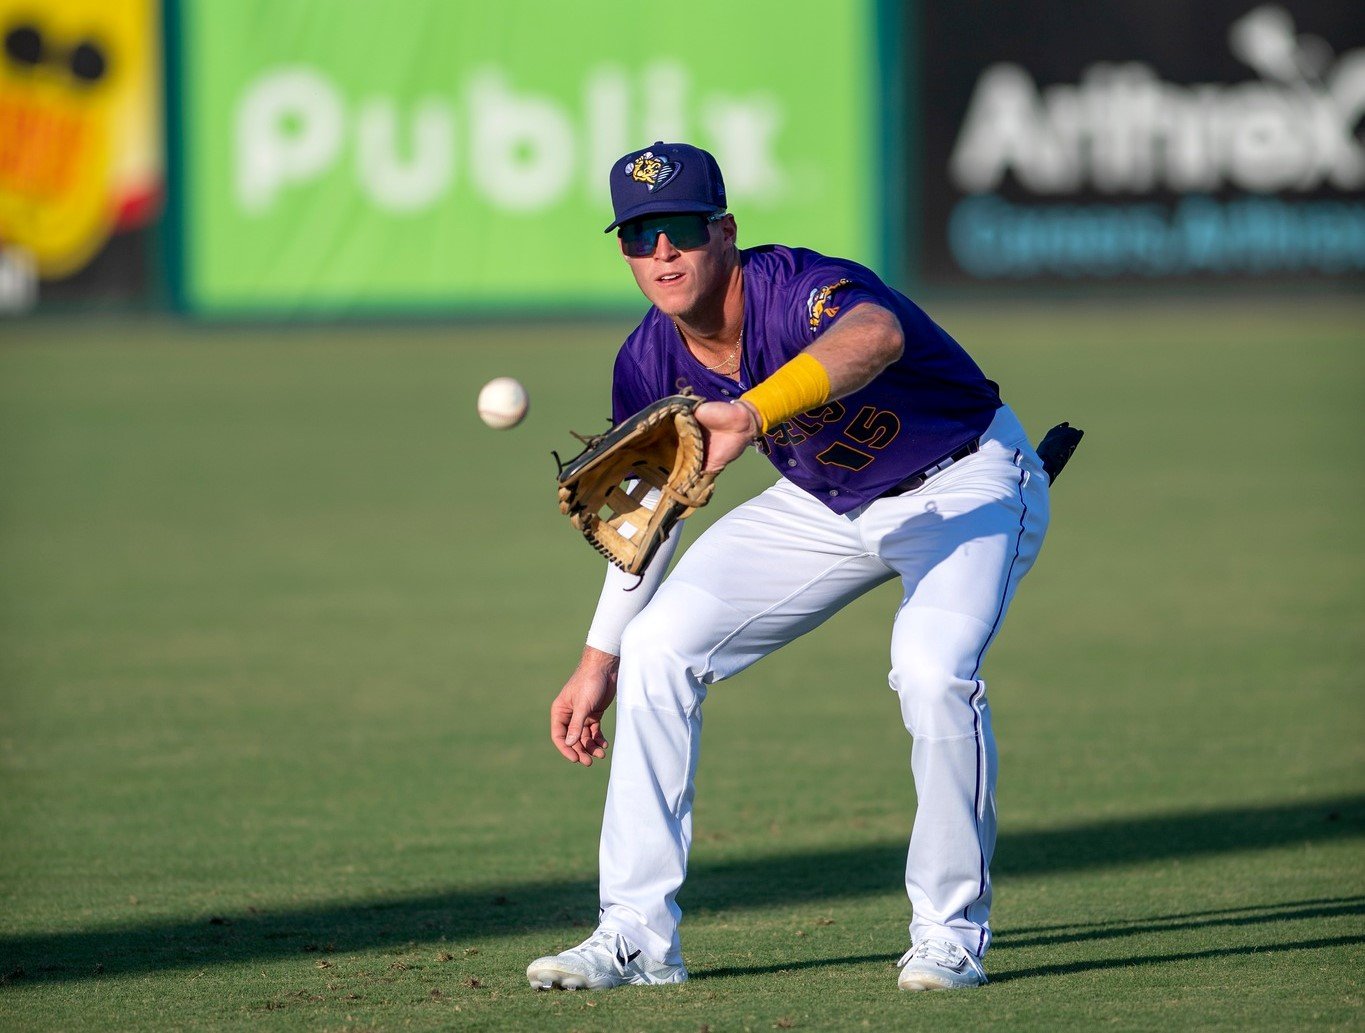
673	298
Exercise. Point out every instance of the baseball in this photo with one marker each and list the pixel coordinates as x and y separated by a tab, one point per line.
503	403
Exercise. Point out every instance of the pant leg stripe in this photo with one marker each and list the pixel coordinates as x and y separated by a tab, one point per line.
980	690
1005	592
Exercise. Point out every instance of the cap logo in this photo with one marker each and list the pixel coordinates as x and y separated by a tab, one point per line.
652	170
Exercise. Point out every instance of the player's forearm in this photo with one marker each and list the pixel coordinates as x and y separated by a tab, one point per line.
858	347
846	357
598	661
622	598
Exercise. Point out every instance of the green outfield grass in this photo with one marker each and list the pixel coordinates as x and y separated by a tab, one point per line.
280	621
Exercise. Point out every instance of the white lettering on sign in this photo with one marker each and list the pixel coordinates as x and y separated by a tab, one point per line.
1123	129
522	147
745	131
519	151
401	184
289	129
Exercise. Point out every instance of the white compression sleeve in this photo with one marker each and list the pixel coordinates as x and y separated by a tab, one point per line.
621	600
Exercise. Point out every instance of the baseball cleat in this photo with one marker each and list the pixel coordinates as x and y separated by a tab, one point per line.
939	965
604	960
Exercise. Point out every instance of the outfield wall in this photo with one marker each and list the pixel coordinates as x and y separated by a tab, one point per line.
438	156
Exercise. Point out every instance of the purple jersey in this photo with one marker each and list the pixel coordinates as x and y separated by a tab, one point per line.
923	407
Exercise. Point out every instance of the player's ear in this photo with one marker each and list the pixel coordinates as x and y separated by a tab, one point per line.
729	229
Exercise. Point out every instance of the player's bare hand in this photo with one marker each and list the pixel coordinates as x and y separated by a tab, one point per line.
576	714
728	429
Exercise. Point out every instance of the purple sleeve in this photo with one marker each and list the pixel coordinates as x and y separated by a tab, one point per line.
629	394
829	288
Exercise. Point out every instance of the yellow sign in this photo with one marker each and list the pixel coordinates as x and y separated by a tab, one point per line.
80	144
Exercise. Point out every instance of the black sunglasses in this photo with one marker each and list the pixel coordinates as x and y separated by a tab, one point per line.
685	231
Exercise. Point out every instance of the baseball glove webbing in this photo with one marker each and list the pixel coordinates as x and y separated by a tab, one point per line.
628	487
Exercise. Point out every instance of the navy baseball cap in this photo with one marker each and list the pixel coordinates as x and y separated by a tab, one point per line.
665	177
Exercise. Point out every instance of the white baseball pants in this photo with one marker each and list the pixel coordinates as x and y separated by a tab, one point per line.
773	569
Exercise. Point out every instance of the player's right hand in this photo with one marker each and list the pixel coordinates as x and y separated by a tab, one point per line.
576	713
728	429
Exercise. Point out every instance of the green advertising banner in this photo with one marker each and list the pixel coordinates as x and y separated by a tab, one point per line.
444	155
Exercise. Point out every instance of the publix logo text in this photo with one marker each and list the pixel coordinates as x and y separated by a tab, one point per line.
521	152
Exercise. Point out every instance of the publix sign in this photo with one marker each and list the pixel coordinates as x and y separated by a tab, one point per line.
521	151
348	157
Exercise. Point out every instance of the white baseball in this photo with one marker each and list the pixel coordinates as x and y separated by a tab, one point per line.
503	403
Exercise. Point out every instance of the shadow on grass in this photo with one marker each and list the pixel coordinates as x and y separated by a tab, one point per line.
1106	923
1101	964
1228	919
478	913
1064	969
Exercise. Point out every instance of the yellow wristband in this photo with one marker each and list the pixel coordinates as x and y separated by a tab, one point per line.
799	385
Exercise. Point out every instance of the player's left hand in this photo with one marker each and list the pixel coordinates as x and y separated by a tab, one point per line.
576	713
728	429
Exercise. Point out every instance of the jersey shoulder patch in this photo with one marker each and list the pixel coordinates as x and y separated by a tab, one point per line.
818	307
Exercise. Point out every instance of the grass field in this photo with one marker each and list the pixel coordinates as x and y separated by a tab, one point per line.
279	623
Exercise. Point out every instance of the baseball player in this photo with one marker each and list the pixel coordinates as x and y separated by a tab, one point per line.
898	460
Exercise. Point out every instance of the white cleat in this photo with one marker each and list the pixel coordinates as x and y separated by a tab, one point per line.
604	960
939	965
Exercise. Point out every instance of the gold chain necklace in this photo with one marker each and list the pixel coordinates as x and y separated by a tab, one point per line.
739	344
